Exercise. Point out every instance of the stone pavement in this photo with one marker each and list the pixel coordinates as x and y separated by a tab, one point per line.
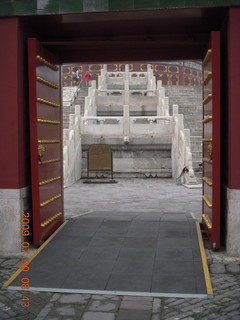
225	271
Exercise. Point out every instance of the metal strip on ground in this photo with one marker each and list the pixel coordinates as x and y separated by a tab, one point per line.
204	261
33	256
117	293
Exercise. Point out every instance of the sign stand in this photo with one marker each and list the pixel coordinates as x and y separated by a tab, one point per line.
99	158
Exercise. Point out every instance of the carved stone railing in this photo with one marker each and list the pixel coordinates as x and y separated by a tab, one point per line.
181	149
72	151
154	99
102	126
126	127
127	78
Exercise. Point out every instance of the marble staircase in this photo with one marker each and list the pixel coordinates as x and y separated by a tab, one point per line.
69	108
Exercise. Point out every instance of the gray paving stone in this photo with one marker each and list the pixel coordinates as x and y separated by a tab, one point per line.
98	316
3	315
156	305
233	268
74	298
134	315
147	197
138	304
55	297
44	312
66	311
217	268
135	298
10	263
106	296
102	305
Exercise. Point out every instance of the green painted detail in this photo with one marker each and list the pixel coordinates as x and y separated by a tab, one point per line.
95	5
146	4
17	8
210	3
172	4
121	4
70	6
33	7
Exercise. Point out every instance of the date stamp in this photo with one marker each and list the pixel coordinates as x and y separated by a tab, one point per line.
25	281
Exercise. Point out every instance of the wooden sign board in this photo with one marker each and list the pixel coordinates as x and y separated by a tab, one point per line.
99	158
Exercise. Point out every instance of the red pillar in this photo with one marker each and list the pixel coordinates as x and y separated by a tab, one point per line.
233	99
13	107
231	137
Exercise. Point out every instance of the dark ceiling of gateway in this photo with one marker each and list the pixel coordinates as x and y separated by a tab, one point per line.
162	34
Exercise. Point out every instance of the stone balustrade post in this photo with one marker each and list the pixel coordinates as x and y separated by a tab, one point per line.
126	74
126	120
166	106
93	84
102	78
104	69
154	84
149	77
126	97
87	106
126	79
77	114
162	90
159	104
159	84
180	121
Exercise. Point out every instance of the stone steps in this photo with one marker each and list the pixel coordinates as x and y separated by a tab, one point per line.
79	100
189	102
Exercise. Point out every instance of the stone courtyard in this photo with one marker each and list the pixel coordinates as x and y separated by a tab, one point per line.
149	194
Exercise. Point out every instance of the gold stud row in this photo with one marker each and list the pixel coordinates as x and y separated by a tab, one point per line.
207	201
43	182
47	63
207	57
48	121
207	99
207	140
47	83
207	160
207	79
44	203
208	181
50	103
48	221
207	220
48	161
48	141
207	119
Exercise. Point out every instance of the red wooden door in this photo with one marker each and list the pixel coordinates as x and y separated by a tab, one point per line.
45	140
211	141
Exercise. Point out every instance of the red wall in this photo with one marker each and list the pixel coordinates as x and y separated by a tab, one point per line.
14	157
234	99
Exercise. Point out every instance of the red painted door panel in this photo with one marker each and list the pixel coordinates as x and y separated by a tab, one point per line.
211	142
45	140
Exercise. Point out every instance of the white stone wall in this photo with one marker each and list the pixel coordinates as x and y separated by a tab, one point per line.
233	222
12	203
